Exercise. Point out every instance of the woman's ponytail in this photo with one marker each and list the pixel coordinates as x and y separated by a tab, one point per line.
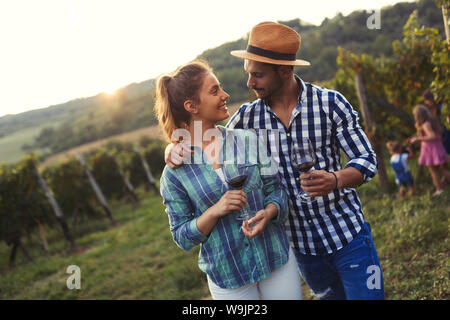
162	105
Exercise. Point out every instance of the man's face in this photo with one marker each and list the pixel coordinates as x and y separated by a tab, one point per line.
263	79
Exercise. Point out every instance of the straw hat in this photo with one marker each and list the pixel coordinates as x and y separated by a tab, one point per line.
274	43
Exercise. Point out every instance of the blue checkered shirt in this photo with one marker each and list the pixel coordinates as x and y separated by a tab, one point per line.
330	122
230	259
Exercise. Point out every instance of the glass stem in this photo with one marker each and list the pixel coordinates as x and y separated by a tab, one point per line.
244	214
245	211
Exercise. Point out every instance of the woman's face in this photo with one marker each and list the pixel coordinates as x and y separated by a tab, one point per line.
212	106
428	103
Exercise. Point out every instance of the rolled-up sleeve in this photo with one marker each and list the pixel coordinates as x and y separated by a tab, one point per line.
183	224
352	139
275	193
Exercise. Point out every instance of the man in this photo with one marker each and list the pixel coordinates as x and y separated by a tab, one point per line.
332	242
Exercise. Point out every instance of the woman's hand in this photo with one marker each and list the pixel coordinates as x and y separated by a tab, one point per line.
413	139
231	200
408	140
255	226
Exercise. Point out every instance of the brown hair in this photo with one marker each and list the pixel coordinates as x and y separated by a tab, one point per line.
423	114
276	67
394	146
172	90
428	96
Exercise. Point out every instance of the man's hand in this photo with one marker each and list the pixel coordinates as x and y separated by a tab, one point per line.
173	155
318	182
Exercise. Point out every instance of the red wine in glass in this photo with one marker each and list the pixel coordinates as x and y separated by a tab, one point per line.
303	158
237	182
235	176
305	167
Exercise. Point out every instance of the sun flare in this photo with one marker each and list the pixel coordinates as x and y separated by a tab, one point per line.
110	92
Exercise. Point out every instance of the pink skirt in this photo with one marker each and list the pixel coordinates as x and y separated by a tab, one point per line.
432	153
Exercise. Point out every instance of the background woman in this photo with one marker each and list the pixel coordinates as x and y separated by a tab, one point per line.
436	109
432	152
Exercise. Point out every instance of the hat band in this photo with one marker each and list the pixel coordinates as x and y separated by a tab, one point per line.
270	54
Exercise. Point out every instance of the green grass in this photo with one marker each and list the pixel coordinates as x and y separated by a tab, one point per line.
11	145
411	237
138	259
135	260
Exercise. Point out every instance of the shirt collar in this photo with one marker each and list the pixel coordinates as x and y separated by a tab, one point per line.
302	94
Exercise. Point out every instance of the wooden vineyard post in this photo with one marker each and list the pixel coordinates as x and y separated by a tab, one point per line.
361	91
445	18
43	235
383	182
57	210
128	184
18	244
148	173
96	188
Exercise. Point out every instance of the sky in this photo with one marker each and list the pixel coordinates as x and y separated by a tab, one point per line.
54	51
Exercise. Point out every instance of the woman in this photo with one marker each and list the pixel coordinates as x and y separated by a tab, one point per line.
432	152
436	108
242	259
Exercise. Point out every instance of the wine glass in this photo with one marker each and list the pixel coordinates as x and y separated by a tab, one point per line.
303	158
236	175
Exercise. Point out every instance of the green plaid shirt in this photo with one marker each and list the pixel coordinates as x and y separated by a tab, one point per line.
229	258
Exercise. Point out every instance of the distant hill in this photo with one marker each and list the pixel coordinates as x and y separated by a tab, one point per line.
75	109
89	119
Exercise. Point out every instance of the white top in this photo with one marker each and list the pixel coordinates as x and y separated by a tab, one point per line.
220	174
401	160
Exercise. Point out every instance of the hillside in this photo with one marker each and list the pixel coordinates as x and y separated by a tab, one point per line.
80	121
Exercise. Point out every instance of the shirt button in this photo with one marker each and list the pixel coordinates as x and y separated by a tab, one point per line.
298	179
288	134
309	221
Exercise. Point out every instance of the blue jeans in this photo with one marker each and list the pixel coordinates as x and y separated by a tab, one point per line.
351	273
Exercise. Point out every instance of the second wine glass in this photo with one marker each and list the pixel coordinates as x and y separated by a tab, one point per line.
303	158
